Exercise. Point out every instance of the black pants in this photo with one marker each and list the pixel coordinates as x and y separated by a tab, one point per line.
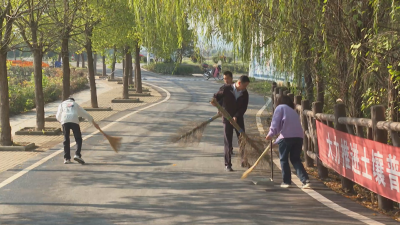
228	136
67	127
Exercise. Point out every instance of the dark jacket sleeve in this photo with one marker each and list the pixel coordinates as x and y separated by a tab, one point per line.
243	107
220	94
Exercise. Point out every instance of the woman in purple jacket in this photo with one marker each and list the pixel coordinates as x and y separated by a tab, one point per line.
286	123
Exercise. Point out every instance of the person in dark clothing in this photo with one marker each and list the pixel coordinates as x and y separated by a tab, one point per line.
235	100
228	79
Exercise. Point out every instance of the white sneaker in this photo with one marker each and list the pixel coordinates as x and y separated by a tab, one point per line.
79	159
67	161
283	185
306	184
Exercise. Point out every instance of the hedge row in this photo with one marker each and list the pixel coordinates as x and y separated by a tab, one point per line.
172	68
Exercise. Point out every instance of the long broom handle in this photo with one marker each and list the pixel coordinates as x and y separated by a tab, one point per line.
272	162
202	124
237	127
227	116
101	131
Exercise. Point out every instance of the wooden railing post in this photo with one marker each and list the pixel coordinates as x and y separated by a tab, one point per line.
305	105
297	100
322	170
378	114
291	96
288	86
281	91
340	111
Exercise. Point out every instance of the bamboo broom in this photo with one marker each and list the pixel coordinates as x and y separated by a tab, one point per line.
247	172
115	142
244	138
195	134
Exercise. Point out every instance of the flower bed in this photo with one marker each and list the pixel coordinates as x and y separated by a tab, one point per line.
21	63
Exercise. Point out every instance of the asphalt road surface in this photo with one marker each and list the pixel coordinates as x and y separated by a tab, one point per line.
152	181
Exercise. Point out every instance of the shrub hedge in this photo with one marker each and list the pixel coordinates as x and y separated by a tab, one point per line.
172	68
22	92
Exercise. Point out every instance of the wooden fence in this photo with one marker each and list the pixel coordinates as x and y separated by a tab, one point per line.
375	128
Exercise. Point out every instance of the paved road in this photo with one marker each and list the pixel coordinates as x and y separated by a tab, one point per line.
154	182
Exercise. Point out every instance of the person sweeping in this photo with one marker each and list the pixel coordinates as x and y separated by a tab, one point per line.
235	99
68	115
286	123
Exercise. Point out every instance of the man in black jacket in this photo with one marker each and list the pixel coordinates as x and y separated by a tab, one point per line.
235	100
228	79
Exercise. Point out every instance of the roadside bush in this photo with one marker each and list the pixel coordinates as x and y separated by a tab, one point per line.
22	93
171	68
215	59
236	68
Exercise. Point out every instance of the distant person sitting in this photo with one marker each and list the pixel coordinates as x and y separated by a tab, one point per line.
68	115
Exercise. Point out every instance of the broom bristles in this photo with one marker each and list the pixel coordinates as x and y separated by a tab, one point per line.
194	135
115	142
248	145
247	172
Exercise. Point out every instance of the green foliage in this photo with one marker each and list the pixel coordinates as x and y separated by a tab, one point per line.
215	59
22	93
171	68
236	68
260	87
371	97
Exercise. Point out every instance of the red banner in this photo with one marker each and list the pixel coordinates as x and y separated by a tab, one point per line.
371	164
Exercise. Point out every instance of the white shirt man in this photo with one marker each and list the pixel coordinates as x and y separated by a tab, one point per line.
68	115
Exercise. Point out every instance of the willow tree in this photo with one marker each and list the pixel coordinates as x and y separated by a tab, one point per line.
344	46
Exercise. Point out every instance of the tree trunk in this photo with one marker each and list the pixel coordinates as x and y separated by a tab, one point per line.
83	60
125	93
393	96
104	66
5	128
95	63
77	60
137	71
123	65
66	70
130	62
39	97
307	71
320	80
92	81
113	63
